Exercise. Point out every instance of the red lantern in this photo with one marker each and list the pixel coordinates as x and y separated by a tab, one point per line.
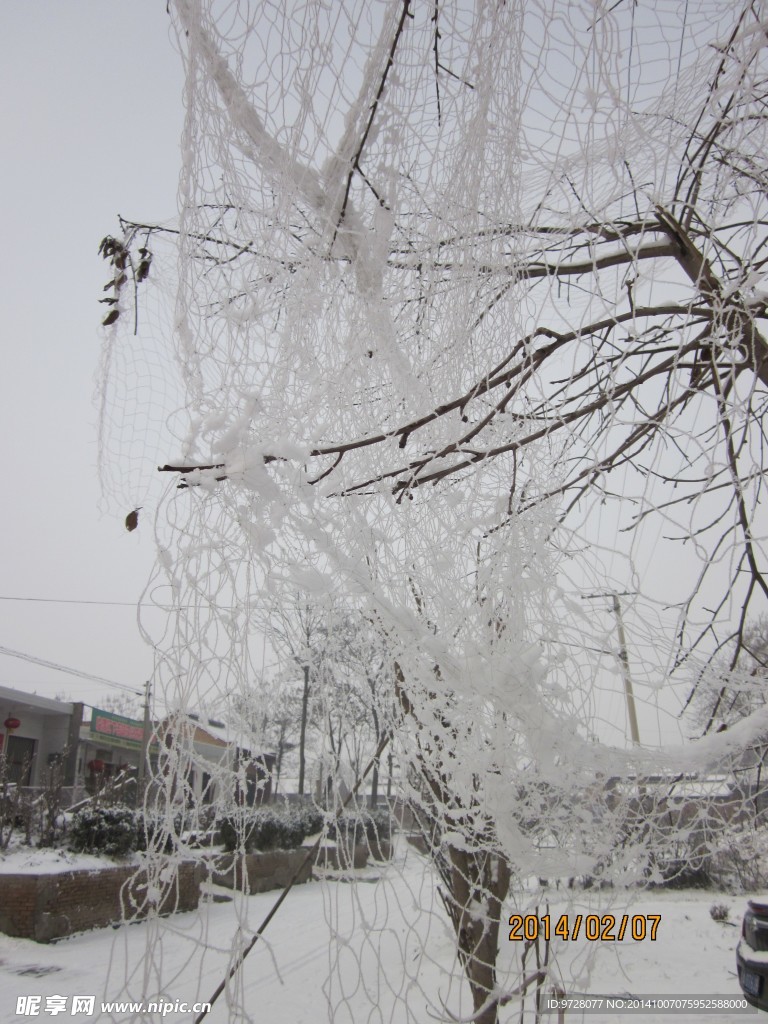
11	723
96	765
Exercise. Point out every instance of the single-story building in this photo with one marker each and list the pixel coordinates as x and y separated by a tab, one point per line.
110	744
215	762
35	731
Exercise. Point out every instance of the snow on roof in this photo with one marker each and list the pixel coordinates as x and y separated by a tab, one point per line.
675	787
17	700
222	734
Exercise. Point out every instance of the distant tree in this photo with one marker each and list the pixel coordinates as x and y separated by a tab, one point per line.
125	704
725	693
266	713
370	667
342	683
304	634
355	699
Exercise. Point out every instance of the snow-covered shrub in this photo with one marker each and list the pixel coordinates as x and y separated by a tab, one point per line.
268	831
156	833
361	827
109	830
681	873
681	857
263	829
15	814
293	832
51	821
271	828
311	820
229	834
740	860
719	911
378	826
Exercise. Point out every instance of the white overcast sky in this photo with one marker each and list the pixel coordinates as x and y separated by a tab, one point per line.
91	102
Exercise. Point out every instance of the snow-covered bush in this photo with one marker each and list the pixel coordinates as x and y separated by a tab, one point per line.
681	870
109	830
263	829
156	833
719	911
362	827
311	820
739	860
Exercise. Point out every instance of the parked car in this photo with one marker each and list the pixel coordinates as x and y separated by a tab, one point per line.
752	953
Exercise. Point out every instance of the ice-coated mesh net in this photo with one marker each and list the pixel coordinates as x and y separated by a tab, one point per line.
467	324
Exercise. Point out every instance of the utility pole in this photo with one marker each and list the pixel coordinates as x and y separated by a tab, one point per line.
623	661
141	781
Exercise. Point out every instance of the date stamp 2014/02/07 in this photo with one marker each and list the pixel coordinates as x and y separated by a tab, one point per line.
592	927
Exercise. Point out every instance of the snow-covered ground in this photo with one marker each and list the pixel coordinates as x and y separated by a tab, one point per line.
387	952
31	860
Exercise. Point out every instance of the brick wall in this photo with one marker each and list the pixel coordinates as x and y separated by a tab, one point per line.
261	872
50	906
341	857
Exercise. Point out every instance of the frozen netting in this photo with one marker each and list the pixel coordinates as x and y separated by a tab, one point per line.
466	332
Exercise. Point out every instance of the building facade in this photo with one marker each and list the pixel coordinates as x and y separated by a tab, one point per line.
48	731
208	763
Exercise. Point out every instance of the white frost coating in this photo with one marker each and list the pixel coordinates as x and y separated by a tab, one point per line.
755	956
431	478
323	193
245	118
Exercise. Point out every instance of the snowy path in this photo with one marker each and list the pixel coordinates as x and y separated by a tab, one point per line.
284	979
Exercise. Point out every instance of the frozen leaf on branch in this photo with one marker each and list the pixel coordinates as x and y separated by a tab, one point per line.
132	519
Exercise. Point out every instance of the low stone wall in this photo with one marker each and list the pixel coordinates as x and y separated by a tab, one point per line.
50	906
380	849
260	872
418	841
342	858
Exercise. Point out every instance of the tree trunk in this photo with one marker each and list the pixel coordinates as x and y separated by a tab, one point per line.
478	884
279	759
303	733
476	881
374	798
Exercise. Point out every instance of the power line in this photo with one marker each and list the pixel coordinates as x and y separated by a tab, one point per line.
63	668
69	600
72	600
